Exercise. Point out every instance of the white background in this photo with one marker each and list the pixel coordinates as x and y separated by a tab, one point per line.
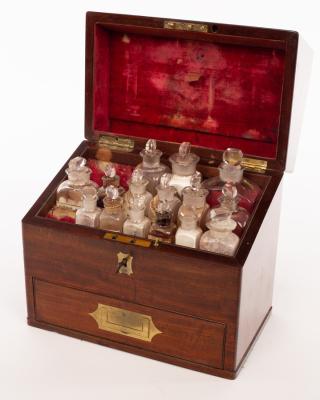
41	123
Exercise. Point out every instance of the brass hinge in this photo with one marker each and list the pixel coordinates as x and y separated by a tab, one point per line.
185	26
254	164
116	143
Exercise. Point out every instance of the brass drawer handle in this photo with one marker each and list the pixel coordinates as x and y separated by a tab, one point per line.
124	263
124	322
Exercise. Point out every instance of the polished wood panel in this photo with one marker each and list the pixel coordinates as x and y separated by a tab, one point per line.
183	337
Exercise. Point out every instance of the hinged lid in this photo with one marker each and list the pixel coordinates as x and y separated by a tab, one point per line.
213	85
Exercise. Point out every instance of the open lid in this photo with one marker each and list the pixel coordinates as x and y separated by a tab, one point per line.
213	85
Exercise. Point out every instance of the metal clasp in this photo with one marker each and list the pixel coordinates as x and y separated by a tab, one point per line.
124	263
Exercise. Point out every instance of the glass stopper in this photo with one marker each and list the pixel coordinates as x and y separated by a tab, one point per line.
77	163
151	146
110	171
232	156
184	150
112	192
165	180
196	180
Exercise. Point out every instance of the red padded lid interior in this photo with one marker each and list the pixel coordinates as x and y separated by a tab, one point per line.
214	95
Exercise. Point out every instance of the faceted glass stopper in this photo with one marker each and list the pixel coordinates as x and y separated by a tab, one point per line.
112	192
151	146
77	163
137	176
196	180
184	150
110	171
229	191
232	156
165	180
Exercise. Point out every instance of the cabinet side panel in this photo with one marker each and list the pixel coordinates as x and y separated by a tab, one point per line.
257	279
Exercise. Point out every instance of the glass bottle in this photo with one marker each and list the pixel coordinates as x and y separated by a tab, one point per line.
231	171
220	238
163	228
184	165
110	178
112	216
229	202
70	191
195	196
137	224
189	232
89	213
137	187
167	193
151	167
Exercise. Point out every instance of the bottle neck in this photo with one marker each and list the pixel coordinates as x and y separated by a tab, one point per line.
89	205
218	234
189	224
138	188
151	160
107	181
136	215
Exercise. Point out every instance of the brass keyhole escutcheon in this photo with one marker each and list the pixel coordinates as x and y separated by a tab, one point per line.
124	263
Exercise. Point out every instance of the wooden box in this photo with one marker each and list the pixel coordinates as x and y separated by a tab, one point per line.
216	86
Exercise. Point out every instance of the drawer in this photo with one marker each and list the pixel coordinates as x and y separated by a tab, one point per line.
146	328
160	278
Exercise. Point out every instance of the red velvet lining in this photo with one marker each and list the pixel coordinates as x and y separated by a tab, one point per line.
181	90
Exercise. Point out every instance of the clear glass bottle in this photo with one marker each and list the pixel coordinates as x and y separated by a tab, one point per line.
167	193
137	187
89	213
220	238
195	197
229	202
184	164
137	224
112	216
151	166
189	232
70	191
231	171
110	178
163	228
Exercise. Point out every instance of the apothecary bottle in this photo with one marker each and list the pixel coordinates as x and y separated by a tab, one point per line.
195	196
163	229
165	193
151	167
70	191
112	216
137	224
110	178
231	171
137	187
188	234
89	213
184	164
220	237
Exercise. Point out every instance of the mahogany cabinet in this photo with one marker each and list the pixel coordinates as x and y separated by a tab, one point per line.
216	86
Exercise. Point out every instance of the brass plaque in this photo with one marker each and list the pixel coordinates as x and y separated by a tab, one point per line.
185	26
124	322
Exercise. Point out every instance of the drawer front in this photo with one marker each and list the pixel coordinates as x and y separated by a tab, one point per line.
153	277
150	329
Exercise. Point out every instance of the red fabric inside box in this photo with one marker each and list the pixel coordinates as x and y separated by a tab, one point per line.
213	95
